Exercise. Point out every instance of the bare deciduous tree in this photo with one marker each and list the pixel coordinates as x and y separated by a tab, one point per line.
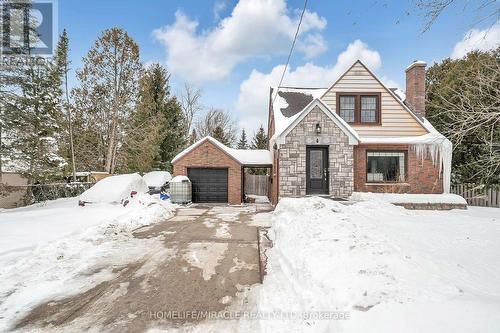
486	10
217	119
191	105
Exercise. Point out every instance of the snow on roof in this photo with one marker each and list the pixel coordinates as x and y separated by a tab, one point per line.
289	103
399	93
428	138
416	63
157	178
346	128
243	156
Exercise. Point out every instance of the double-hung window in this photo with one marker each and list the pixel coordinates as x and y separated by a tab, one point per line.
385	166
359	108
368	109
347	108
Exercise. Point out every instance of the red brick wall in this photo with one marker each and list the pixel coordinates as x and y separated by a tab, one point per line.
415	89
208	155
274	188
421	176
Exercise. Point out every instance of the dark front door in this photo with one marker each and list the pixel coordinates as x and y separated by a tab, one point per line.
209	185
317	170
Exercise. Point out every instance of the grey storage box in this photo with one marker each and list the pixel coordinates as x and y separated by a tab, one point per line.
180	190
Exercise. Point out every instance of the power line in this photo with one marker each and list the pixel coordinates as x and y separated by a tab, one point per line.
291	50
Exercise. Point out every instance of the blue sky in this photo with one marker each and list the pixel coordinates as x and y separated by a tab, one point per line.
217	45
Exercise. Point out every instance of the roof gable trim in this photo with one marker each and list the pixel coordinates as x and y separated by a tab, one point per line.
348	130
198	143
389	91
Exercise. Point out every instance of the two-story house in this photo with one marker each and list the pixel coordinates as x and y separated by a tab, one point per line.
356	135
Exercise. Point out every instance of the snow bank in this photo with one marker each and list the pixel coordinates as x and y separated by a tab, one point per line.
157	178
390	269
115	188
25	228
409	198
258	198
179	179
58	268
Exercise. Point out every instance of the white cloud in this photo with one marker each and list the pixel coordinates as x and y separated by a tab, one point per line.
254	28
219	7
475	39
253	100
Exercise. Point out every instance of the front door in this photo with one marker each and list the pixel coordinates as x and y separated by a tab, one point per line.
317	170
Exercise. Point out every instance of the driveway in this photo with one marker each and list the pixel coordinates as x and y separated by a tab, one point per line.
206	259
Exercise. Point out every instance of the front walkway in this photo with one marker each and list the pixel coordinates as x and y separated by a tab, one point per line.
207	255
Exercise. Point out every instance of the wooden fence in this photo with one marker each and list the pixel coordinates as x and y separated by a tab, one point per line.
256	184
478	195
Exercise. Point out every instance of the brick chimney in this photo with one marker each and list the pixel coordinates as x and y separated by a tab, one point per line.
415	87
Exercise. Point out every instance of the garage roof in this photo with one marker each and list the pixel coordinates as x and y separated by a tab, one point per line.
246	157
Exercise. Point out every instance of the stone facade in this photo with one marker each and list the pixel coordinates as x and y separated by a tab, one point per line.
208	155
292	156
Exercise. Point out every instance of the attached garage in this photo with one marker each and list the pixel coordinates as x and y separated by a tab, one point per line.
216	171
209	184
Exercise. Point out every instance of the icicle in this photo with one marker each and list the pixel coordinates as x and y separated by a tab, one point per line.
439	150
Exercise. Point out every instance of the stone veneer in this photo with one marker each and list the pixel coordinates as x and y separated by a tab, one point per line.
292	163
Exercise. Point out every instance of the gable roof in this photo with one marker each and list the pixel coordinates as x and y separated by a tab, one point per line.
389	91
289	102
348	130
242	156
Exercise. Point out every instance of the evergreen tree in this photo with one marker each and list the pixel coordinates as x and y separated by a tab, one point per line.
219	134
260	139
465	110
105	100
156	131
259	142
243	144
32	118
30	114
174	139
62	64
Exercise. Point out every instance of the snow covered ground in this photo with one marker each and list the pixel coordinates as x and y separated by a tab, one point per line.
385	268
53	250
445	198
388	269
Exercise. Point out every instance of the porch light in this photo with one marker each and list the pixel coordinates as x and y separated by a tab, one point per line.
318	128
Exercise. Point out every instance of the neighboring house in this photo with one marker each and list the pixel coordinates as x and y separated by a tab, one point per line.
13	185
357	135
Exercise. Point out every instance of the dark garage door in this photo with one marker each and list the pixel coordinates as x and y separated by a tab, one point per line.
209	185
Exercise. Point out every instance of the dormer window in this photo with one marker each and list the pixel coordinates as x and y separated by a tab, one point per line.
359	108
347	108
